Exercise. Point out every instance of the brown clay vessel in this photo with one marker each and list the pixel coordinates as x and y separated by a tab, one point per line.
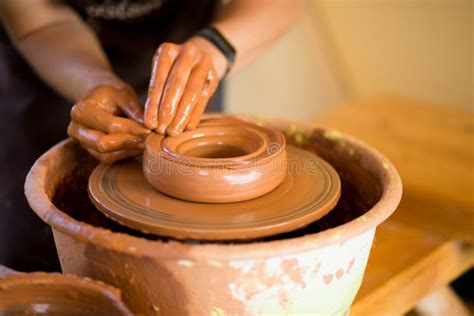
223	160
314	270
57	294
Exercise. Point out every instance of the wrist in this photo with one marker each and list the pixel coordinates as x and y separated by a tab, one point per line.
219	60
104	78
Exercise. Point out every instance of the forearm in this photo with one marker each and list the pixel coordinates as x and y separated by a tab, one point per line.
68	58
252	26
61	49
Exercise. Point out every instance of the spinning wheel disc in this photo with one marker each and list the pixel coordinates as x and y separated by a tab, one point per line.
308	192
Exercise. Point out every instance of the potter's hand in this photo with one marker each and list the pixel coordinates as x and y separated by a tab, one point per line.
97	123
183	80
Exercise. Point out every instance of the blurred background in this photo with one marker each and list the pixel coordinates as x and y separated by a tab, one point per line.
343	50
405	68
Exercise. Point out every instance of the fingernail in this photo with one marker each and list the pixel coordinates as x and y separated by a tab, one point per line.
141	132
150	123
140	120
172	132
161	128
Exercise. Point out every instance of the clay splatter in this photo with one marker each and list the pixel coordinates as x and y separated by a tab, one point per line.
261	122
283	297
293	130
317	268
333	134
185	263
290	266
215	263
297	134
350	265
217	311
337	235
299	138
328	278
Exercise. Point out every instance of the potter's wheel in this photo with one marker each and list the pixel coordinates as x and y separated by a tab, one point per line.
309	191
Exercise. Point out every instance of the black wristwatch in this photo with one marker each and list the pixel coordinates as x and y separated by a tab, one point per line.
215	37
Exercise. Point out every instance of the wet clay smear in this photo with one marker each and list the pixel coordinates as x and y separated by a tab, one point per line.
72	198
357	197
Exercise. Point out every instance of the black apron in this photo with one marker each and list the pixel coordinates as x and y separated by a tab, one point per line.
33	117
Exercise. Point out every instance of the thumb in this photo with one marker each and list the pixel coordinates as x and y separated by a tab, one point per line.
128	102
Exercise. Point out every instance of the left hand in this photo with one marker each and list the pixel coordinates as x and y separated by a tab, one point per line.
106	122
183	79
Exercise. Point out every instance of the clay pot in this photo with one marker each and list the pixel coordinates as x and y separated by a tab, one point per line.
221	161
57	294
315	270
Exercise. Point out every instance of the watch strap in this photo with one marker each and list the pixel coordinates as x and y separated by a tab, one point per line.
213	35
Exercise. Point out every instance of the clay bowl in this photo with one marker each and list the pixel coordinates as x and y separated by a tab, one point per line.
57	294
314	270
223	160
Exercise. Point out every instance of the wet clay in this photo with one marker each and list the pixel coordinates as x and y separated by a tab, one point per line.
224	160
96	123
314	269
359	193
56	294
183	79
122	193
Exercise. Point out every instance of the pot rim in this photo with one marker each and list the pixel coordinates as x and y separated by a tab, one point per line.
163	163
168	145
43	278
176	250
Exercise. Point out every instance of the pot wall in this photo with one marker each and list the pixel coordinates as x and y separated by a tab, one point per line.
320	281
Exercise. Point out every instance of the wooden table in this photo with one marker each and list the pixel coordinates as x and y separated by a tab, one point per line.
428	242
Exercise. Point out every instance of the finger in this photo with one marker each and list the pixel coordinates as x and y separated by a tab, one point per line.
162	63
87	113
114	156
114	142
128	102
85	136
190	98
175	85
117	100
102	97
104	143
204	99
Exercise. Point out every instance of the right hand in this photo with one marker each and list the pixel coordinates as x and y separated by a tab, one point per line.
183	79
97	123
